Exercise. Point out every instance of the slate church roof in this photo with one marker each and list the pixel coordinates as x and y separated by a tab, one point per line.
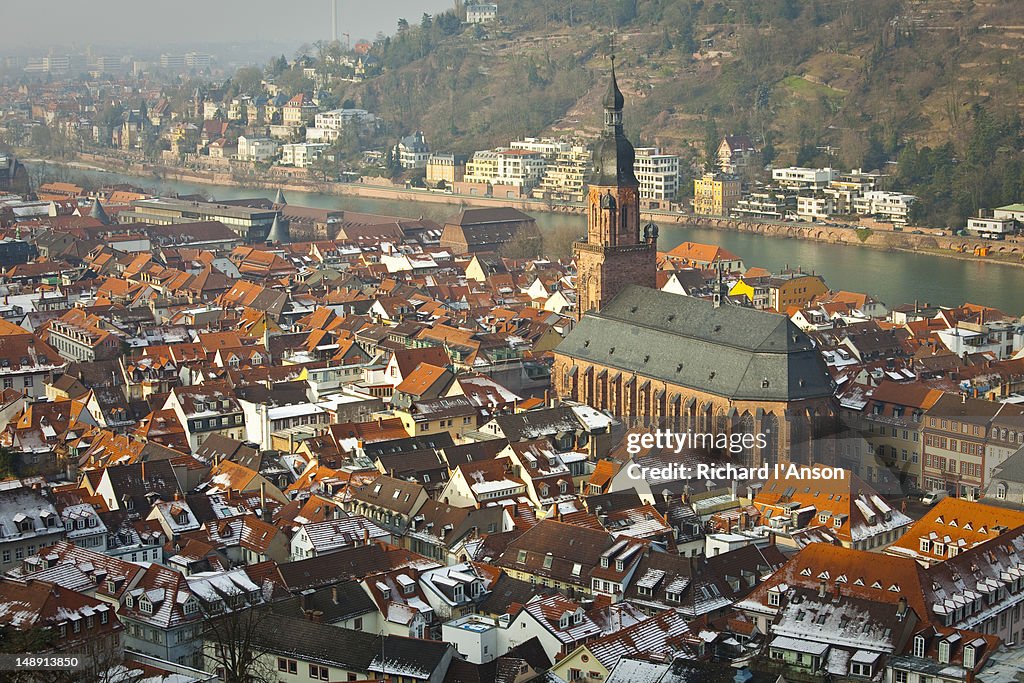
731	351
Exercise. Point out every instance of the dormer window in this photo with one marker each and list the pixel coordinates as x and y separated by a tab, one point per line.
563	621
578	617
944	652
146	606
408	589
774	598
969	657
191	606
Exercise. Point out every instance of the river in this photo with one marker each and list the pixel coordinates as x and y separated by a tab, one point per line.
892	277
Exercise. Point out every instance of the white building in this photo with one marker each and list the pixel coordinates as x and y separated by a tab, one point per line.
814	207
658	174
1014	211
256	149
329	125
992	227
515	167
302	154
475	637
893	206
549	147
1000	338
413	151
481	13
802	178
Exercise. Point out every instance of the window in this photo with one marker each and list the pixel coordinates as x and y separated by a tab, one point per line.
944	652
926	545
318	673
858	669
289	666
774	598
900	676
919	646
104	617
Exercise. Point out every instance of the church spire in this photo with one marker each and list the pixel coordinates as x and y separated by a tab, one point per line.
613	103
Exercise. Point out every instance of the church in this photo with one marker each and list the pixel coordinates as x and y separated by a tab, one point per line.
657	359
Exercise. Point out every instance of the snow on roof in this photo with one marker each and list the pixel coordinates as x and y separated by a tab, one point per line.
298	410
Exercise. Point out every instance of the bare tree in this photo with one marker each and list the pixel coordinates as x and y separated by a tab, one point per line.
230	631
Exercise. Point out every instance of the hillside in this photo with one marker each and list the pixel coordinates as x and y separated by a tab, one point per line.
815	71
855	83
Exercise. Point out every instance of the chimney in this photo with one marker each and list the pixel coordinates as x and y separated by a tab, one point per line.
837	592
264	509
334	594
901	608
822	588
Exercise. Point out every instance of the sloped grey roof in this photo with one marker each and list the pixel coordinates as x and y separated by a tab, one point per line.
731	351
97	212
278	231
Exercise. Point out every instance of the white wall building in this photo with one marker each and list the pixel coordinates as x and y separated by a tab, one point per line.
803	178
515	167
302	154
256	149
893	206
814	207
658	173
329	125
549	147
994	227
481	13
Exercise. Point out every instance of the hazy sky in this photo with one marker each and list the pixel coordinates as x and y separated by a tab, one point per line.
157	22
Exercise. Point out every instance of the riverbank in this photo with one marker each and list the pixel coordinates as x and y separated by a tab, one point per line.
1010	253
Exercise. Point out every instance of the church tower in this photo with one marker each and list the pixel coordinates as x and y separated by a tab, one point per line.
614	253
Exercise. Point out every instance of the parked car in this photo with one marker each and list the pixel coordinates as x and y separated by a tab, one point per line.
933	497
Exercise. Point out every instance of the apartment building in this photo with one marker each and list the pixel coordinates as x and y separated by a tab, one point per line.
658	174
716	194
565	178
512	167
